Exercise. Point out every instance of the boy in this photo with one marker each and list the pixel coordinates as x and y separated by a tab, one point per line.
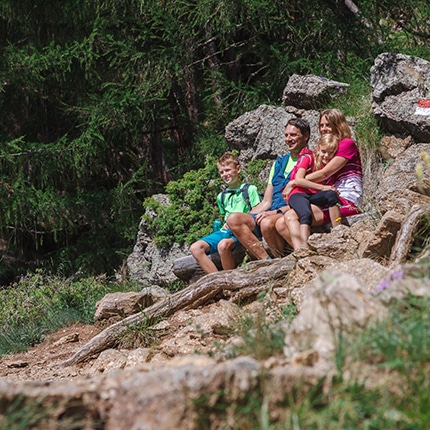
237	198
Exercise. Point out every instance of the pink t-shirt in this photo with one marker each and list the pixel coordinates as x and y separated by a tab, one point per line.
348	180
306	161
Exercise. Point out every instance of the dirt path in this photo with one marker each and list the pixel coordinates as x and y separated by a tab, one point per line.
41	362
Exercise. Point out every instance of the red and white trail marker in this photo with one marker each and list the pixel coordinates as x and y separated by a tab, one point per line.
423	107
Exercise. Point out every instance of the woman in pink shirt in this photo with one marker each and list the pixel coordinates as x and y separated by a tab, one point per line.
343	171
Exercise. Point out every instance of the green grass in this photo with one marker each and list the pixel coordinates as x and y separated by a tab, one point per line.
37	305
357	104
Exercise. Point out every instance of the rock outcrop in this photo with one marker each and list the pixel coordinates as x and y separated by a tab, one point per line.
398	82
311	92
345	280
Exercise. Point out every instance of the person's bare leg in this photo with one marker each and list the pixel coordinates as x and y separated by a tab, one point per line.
335	217
293	225
305	232
317	216
274	240
225	251
242	226
282	229
198	250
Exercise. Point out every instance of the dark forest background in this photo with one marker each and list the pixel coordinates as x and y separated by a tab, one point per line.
103	103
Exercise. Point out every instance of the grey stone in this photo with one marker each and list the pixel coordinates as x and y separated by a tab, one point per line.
337	305
311	92
120	305
398	81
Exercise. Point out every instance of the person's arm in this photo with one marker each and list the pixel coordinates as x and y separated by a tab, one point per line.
288	188
332	167
300	174
266	203
305	183
254	196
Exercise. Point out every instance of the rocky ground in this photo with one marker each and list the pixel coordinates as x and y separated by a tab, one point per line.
42	362
184	333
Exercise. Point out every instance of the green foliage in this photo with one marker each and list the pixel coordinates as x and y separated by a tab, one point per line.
104	103
357	104
192	208
38	304
252	174
23	413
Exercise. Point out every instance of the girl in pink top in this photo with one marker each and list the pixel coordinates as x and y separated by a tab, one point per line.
320	194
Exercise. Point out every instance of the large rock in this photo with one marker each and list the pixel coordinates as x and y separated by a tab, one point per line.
117	306
259	134
400	188
337	306
311	92
151	265
378	244
181	396
398	81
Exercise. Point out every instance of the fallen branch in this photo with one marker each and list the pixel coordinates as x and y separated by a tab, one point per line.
406	234
236	285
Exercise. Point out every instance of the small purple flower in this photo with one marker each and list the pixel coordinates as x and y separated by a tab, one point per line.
385	283
397	275
21	278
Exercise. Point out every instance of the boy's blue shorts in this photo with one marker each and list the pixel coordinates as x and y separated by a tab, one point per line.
215	238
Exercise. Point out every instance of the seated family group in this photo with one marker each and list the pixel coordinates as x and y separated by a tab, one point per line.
305	188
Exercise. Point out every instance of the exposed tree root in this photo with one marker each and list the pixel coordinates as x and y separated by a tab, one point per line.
405	236
236	285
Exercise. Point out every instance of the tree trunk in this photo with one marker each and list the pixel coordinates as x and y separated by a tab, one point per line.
187	269
235	285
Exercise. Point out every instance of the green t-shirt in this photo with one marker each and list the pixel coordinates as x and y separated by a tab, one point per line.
235	202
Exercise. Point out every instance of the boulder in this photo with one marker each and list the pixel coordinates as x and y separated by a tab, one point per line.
378	243
311	92
398	83
392	146
339	244
337	306
399	187
149	264
259	134
116	306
